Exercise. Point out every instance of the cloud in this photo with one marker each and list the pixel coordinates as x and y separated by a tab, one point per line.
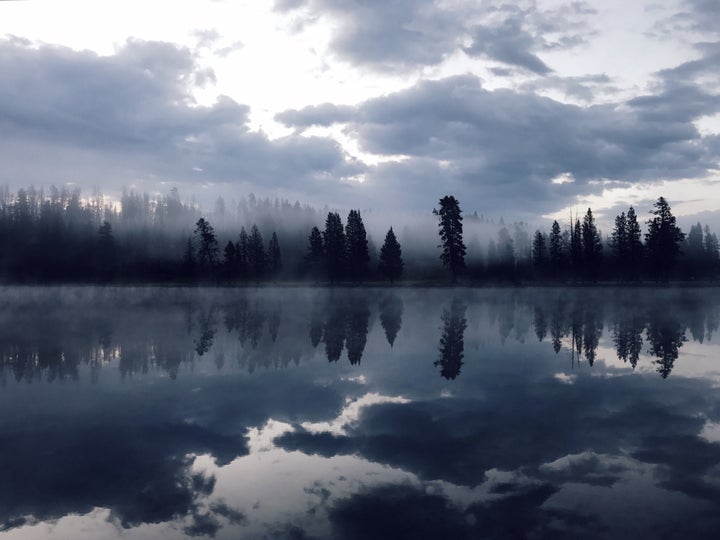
407	34
502	146
130	118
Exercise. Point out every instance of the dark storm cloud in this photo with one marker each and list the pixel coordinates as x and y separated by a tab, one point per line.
130	117
405	34
501	146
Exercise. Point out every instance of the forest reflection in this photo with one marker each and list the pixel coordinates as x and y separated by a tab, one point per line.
252	331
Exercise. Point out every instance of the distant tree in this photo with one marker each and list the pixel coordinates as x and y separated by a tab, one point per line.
106	252
274	256
635	248
315	253
576	249
591	245
189	260
356	245
539	251
242	254
257	257
619	241
451	234
207	251
230	260
391	263
663	240
334	242
694	252
555	247
712	253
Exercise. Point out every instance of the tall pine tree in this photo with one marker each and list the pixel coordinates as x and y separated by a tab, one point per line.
356	246
391	263
451	234
334	241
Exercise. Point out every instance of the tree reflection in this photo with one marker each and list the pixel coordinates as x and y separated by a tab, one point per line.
452	342
391	311
356	329
627	337
665	334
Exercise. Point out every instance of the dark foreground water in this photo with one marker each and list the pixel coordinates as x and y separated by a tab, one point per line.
297	413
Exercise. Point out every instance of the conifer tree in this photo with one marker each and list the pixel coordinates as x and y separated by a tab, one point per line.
334	242
391	263
315	254
576	251
230	260
539	251
207	252
663	240
555	247
356	245
592	246
241	254
451	234
257	256
274	256
635	247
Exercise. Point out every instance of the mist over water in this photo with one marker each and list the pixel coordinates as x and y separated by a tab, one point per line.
358	413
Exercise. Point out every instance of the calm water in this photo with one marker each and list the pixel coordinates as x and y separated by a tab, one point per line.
296	413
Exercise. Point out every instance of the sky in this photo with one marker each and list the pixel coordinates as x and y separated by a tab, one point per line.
527	110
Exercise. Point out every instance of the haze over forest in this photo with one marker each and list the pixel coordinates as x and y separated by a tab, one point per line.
524	111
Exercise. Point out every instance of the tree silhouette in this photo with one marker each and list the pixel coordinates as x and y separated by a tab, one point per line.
106	252
627	337
242	250
452	342
230	260
576	249
315	253
663	240
274	257
257	257
451	234
391	263
207	250
334	242
712	253
539	251
356	245
391	310
555	248
619	243
591	245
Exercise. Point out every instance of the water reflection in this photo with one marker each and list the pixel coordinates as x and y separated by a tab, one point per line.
284	413
52	343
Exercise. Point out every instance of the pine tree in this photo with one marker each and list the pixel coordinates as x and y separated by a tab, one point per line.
539	251
556	248
619	242
207	252
576	250
635	248
315	254
257	257
391	263
591	245
712	255
356	245
663	240
230	260
241	254
451	233
334	241
274	256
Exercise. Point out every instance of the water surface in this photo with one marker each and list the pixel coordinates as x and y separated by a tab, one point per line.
359	413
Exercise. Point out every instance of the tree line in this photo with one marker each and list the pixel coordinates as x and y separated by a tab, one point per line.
59	236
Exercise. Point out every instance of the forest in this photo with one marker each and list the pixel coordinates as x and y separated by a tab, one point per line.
59	236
